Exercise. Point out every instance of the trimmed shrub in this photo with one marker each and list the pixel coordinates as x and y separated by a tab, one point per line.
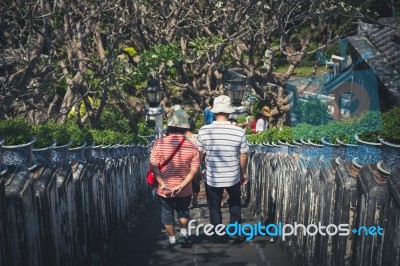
391	126
43	134
15	131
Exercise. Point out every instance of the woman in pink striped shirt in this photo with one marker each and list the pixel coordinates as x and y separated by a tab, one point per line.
174	188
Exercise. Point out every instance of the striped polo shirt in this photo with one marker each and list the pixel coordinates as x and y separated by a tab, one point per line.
178	168
222	143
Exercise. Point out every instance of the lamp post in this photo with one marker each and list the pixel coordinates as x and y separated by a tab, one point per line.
154	94
235	87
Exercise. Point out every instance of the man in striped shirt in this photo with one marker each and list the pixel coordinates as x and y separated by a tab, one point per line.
225	149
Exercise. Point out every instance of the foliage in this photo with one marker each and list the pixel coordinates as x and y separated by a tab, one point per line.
202	46
312	111
285	134
369	126
59	132
109	137
145	129
241	119
270	135
302	131
154	57
15	131
78	136
130	51
113	119
104	137
199	122
391	125
44	135
256	138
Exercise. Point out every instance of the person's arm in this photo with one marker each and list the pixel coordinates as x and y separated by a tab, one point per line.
155	159
243	167
158	176
189	177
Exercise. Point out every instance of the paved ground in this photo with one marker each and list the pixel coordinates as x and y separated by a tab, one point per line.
145	245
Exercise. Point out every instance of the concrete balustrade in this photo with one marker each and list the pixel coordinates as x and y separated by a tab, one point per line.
289	188
70	214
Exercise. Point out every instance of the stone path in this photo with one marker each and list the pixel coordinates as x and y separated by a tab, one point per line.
145	245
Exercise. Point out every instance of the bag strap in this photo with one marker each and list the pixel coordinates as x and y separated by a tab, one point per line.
173	154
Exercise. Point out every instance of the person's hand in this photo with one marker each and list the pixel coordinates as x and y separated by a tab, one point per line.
175	190
243	179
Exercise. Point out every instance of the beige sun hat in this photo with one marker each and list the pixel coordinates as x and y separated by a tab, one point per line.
179	119
222	104
265	111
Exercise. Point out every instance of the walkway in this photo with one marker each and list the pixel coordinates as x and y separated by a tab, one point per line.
144	246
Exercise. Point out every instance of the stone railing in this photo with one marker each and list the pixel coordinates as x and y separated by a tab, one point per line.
67	214
294	189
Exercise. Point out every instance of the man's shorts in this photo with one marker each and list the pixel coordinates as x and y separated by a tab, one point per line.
178	204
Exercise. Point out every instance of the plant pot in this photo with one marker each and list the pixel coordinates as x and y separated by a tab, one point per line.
306	148
298	147
118	150
390	155
284	148
76	154
347	151
88	152
3	168
316	150
123	150
251	147
291	148
22	155
367	152
43	156
265	147
330	150
97	152
60	153
105	151
275	148
258	147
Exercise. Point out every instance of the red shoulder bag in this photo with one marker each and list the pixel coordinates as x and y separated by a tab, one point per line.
151	179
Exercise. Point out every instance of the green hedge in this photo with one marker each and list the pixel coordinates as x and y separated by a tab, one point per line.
18	131
367	125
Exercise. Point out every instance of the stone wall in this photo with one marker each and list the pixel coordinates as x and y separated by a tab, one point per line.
70	215
290	188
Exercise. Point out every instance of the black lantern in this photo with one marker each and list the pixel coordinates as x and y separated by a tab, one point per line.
235	89
154	93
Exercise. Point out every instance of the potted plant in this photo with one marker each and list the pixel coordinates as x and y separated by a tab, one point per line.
88	138
369	147
43	146
302	132
62	137
270	138
17	147
345	138
331	131
390	139
78	143
104	139
3	168
315	143
285	139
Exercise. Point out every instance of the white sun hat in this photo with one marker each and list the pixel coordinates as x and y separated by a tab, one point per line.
222	104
